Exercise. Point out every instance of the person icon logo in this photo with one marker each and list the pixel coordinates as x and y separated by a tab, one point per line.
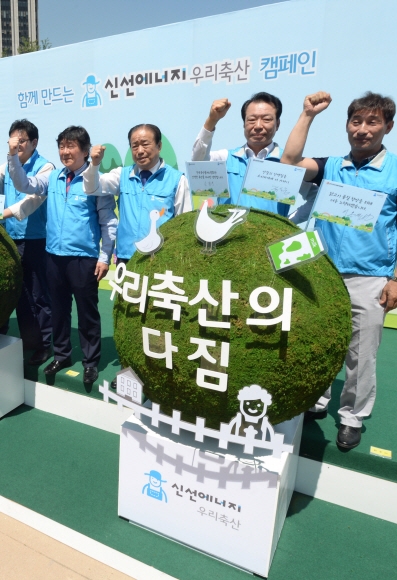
91	96
153	488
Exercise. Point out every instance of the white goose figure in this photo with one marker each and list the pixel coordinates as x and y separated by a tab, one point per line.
154	240
210	232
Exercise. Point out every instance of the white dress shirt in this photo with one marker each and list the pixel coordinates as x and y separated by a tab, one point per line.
109	184
202	149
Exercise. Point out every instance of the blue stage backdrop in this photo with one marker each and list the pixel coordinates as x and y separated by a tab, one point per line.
170	75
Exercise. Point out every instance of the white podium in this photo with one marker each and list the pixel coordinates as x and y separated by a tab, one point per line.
225	503
12	387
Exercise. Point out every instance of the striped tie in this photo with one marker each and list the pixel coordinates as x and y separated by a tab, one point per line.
69	179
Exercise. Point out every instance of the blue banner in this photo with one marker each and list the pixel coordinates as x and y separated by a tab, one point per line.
170	75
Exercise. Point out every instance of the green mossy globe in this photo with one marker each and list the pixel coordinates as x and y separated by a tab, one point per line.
10	276
295	367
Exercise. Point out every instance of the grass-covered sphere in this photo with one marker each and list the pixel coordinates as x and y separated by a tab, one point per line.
295	367
10	276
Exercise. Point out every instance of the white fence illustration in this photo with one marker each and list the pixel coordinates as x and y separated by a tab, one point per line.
276	443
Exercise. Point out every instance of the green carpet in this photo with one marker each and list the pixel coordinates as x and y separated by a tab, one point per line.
68	472
379	430
108	365
318	441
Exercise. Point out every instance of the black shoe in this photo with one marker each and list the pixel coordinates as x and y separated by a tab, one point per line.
113	384
57	365
348	437
90	374
39	356
313	416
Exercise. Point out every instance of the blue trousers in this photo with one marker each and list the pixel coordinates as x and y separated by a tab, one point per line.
34	306
68	277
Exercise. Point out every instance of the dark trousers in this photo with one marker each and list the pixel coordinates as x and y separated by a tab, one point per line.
34	306
70	276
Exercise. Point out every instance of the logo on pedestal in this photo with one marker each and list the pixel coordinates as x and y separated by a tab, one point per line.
153	488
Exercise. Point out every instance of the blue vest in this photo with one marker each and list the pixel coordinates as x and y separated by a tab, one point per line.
73	226
137	201
236	165
354	251
34	226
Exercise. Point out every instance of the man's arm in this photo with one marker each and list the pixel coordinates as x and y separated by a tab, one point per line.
24	208
2	176
37	184
108	223
96	184
202	145
183	199
388	298
312	106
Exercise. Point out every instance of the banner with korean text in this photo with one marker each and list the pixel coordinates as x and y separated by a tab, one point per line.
170	75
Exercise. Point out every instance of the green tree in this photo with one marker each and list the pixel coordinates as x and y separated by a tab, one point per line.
45	44
28	45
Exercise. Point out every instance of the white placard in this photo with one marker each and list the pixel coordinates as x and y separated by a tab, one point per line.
348	205
207	180
273	181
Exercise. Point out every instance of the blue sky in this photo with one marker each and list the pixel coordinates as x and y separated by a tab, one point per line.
78	20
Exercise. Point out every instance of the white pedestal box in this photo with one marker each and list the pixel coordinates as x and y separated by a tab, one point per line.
12	386
225	503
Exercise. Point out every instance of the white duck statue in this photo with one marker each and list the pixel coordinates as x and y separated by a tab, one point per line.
210	232
154	240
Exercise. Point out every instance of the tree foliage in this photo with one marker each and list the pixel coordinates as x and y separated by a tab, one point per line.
28	45
10	276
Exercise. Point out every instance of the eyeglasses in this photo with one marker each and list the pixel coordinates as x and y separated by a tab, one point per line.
23	141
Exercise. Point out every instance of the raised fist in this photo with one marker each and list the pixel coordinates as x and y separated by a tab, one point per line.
13	145
316	103
218	110
97	153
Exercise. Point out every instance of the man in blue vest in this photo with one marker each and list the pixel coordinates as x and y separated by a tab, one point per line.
261	120
75	262
29	234
149	184
366	261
